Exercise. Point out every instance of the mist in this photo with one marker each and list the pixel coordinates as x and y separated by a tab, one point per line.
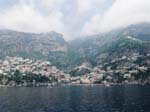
72	18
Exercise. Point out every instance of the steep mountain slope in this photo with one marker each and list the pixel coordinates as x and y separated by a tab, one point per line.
105	47
49	45
96	50
139	31
89	47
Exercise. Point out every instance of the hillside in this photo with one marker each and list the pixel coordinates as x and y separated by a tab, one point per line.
118	56
114	44
96	49
48	46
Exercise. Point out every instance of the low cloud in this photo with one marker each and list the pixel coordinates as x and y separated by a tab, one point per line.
87	5
73	18
24	17
121	14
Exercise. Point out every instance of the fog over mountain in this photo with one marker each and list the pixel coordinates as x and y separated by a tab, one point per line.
72	18
74	55
95	49
70	33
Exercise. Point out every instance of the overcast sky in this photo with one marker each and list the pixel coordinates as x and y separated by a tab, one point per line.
72	18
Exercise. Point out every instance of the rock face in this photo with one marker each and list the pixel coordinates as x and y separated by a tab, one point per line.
120	56
139	31
112	45
30	45
98	50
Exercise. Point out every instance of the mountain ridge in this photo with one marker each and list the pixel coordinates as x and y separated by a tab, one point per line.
67	55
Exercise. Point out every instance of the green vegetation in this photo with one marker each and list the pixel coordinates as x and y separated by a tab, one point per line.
20	78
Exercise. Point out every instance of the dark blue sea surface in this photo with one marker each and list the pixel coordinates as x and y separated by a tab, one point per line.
98	98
